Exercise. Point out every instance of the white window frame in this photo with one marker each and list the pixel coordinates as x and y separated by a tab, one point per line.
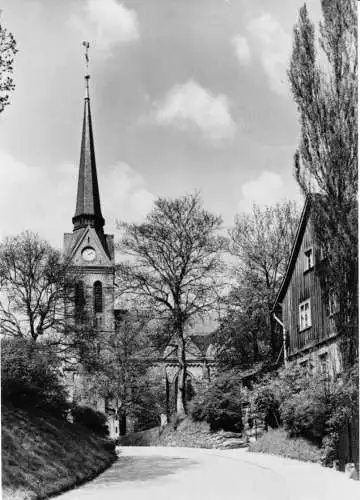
309	262
305	315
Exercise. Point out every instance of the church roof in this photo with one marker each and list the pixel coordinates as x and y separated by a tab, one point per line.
88	209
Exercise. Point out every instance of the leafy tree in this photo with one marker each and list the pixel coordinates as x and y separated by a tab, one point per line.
121	371
175	268
261	242
326	160
30	376
239	340
7	54
220	403
35	281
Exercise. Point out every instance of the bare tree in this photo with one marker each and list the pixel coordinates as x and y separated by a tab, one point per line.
326	161
261	241
175	268
7	53
35	281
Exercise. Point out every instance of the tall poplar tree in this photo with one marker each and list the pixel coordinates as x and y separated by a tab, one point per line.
7	54
324	86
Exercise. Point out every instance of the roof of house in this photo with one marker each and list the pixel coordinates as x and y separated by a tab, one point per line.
294	252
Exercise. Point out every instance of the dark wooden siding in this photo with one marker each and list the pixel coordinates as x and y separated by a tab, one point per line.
305	285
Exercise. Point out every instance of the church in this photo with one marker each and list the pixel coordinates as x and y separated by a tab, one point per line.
92	253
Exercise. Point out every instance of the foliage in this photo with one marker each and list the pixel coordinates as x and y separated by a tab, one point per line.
308	405
326	161
121	369
277	442
30	378
35	282
343	411
305	414
90	418
272	391
267	404
7	53
176	267
239	340
149	400
220	403
261	243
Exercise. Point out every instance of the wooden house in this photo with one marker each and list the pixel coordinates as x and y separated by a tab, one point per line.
307	318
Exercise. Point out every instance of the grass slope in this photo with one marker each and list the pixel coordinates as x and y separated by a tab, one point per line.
276	442
42	455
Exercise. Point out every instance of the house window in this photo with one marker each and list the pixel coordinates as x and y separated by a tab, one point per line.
98	297
304	315
309	259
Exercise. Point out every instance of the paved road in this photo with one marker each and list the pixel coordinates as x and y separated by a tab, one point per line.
189	474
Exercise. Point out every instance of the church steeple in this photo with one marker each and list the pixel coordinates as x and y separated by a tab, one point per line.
88	209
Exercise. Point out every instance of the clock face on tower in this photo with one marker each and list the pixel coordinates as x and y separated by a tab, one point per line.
88	254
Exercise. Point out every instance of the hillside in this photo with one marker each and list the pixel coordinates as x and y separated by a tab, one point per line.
42	455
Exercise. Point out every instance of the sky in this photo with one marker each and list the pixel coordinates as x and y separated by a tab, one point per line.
186	95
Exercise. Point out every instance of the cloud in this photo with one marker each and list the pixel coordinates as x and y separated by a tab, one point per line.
36	199
188	106
106	23
242	49
43	200
268	189
274	45
124	194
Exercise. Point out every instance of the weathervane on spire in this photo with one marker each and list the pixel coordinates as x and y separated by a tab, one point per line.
86	45
87	76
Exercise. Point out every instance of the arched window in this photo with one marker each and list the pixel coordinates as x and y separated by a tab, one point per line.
79	299
98	297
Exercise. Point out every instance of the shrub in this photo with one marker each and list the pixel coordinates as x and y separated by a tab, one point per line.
269	394
277	442
266	403
343	413
313	407
220	404
90	418
305	414
29	377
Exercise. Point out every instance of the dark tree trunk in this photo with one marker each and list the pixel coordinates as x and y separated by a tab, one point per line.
181	395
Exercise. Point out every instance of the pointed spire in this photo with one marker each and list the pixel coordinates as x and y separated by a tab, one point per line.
88	209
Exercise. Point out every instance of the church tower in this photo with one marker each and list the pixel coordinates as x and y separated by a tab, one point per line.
89	248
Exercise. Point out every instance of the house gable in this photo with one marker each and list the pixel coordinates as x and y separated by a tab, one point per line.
300	297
